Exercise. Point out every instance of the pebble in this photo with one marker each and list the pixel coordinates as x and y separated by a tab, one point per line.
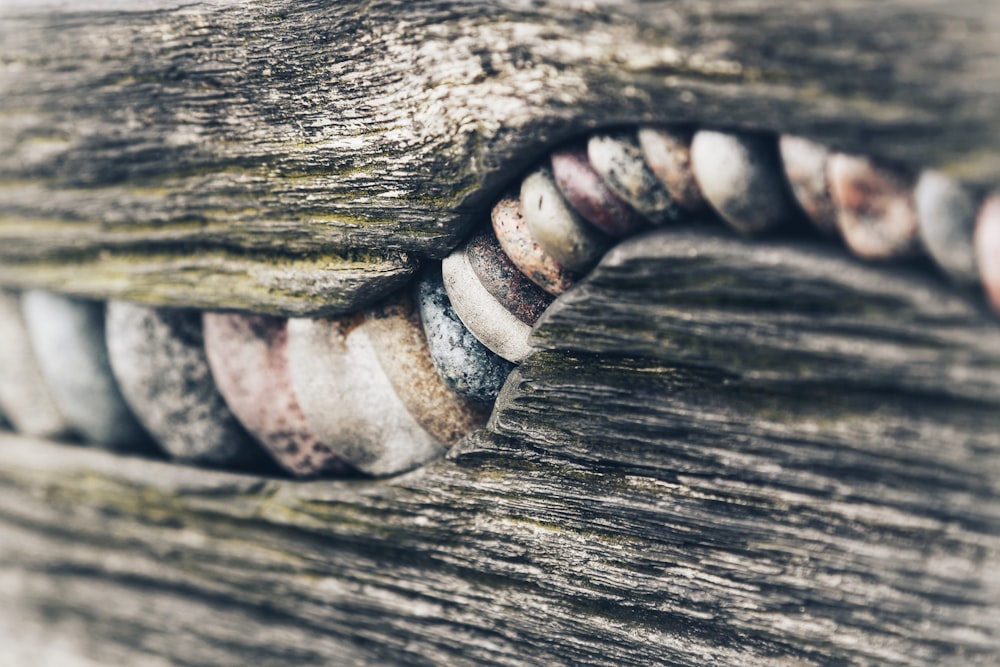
488	320
349	401
556	227
876	214
401	347
741	178
248	356
585	190
667	153
158	358
24	396
804	162
67	336
946	214
465	365
618	159
529	257
502	279
987	244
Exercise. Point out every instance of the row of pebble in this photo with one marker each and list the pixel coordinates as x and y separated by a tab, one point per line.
570	210
385	390
377	392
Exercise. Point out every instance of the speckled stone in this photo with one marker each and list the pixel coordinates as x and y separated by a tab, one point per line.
804	162
556	227
876	213
618	159
465	365
585	190
24	395
488	320
946	214
529	257
158	358
248	355
667	152
349	401
397	335
502	279
987	245
67	336
740	176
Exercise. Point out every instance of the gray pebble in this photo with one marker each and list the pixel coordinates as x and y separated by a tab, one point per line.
24	396
67	336
465	365
618	159
559	230
947	217
804	162
741	178
158	358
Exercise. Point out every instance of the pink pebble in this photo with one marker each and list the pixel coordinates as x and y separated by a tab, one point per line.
987	244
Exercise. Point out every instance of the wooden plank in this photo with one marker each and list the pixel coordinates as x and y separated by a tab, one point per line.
651	503
284	128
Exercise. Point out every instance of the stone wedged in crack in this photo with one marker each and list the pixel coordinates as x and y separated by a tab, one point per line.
946	215
526	300
556	227
667	152
488	320
67	336
24	395
465	365
349	401
394	328
876	214
588	194
987	246
248	356
529	257
617	157
740	177
158	358
804	163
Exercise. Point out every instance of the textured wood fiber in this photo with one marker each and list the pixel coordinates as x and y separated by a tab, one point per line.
634	501
280	129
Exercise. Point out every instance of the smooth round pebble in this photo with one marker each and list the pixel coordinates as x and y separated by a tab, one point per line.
667	152
488	320
804	162
947	217
248	356
740	177
349	401
618	159
465	365
876	214
24	395
158	358
394	329
529	257
987	244
588	194
556	227
502	279
67	336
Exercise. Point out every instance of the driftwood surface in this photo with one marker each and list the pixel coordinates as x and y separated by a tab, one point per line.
225	154
826	492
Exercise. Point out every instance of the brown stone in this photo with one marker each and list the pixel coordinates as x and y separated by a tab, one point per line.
667	152
987	244
585	190
526	300
876	212
512	233
804	162
248	355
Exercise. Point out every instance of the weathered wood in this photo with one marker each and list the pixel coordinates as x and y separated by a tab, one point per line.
789	501
285	128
